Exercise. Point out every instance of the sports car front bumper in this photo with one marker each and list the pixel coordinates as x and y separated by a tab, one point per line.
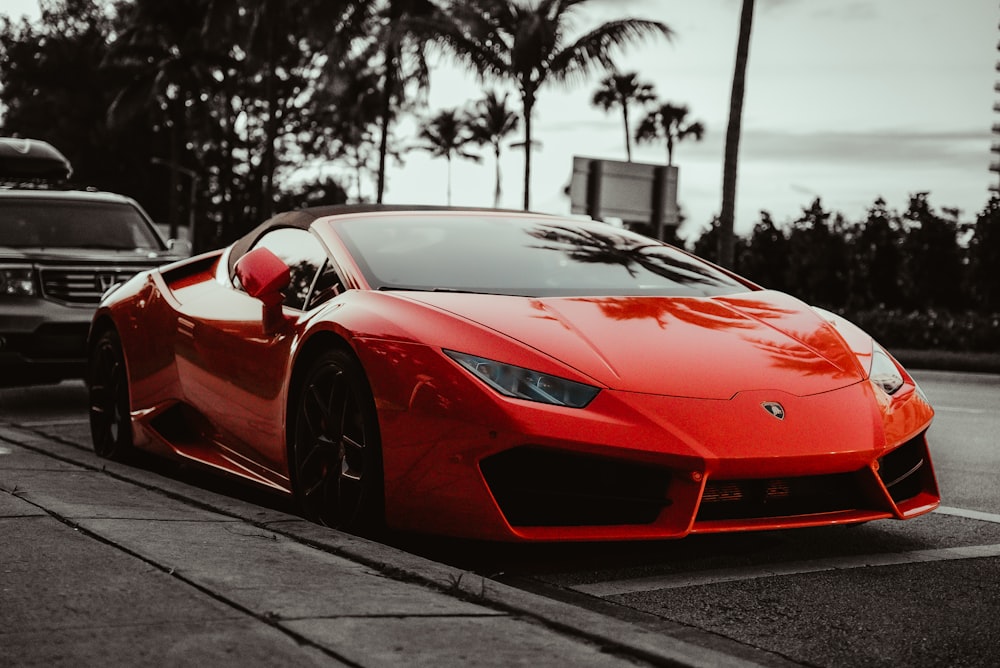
462	460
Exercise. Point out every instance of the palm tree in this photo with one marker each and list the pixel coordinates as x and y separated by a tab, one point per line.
669	121
491	122
525	42
447	135
400	33
727	218
619	90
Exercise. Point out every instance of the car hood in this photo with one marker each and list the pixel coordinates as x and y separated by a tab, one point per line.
708	348
86	255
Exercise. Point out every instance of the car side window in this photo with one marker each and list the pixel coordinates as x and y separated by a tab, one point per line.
328	285
303	254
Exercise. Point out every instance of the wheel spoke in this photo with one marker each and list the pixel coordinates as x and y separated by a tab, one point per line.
352	463
312	404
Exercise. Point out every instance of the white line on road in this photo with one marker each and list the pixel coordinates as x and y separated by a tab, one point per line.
969	514
53	423
653	583
959	409
604	589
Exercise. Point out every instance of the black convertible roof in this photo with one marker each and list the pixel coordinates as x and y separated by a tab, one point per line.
303	218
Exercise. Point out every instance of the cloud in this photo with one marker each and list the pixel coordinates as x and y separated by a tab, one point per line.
881	147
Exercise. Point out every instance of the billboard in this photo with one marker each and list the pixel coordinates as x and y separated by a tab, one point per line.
638	193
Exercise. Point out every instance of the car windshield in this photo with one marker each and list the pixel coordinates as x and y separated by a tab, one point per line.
44	223
530	256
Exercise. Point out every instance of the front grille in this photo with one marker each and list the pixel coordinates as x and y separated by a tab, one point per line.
81	285
781	497
539	487
900	470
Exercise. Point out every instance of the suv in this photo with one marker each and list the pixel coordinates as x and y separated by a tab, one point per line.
60	251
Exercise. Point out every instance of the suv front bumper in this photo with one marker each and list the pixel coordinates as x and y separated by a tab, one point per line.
42	341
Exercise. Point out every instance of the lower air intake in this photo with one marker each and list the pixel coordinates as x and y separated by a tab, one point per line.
540	487
780	497
901	469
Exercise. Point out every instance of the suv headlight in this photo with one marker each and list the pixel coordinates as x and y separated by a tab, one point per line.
17	282
521	383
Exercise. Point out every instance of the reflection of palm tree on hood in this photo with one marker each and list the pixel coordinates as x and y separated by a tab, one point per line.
695	311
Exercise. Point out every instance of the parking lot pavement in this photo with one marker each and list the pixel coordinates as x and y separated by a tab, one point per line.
103	563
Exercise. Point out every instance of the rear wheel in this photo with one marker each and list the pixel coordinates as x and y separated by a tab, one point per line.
335	455
110	420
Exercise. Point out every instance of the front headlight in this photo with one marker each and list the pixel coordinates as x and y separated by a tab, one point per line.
884	371
17	282
515	381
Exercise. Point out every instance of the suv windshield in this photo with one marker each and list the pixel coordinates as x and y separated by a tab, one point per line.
43	223
523	256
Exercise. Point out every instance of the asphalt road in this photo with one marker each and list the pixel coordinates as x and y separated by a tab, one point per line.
917	593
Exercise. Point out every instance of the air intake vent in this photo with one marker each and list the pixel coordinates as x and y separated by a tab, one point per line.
539	487
900	470
781	497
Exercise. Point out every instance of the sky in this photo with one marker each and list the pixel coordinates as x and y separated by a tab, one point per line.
846	100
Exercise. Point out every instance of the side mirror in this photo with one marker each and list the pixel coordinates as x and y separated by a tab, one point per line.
263	275
180	247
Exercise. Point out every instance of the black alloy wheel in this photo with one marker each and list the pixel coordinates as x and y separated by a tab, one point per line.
335	458
107	381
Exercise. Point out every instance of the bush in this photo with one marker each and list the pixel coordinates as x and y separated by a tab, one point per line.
965	331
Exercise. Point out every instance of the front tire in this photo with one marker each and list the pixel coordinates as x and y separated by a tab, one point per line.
107	382
335	455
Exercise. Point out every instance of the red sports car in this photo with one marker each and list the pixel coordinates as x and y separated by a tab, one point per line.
506	376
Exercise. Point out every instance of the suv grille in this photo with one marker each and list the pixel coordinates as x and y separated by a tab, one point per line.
82	285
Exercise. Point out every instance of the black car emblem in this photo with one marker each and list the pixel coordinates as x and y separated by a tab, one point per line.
775	409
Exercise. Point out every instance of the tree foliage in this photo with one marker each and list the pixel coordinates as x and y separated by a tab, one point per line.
915	278
211	107
447	135
490	122
622	90
669	122
529	44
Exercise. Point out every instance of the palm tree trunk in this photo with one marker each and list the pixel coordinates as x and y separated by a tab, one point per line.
496	163
727	219
449	179
383	149
628	134
383	145
529	102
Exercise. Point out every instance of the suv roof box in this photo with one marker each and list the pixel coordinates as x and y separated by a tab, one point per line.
32	159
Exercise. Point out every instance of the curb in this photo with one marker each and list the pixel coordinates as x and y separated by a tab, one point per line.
621	637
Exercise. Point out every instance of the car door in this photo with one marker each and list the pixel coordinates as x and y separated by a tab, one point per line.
237	369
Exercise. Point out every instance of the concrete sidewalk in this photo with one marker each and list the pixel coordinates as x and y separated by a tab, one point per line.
107	564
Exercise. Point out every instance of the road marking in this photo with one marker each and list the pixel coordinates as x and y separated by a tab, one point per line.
959	409
53	423
635	585
617	587
969	514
